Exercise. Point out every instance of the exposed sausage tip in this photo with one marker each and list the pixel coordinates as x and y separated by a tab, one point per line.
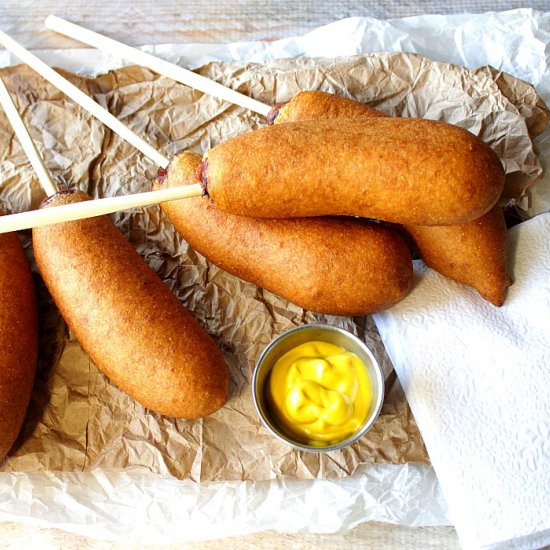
54	198
274	113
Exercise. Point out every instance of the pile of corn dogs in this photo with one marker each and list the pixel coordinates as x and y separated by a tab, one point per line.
324	207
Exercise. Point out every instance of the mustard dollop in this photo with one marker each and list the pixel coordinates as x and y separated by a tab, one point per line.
319	393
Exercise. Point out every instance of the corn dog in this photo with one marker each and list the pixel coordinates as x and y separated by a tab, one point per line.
329	265
409	171
315	105
18	339
134	329
474	253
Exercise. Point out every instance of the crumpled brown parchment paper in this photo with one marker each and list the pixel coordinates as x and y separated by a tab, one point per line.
77	419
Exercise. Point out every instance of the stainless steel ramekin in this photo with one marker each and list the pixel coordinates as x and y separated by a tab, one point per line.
300	335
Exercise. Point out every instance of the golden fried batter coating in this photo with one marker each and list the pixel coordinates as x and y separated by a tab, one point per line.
314	105
474	253
134	329
409	171
330	265
18	338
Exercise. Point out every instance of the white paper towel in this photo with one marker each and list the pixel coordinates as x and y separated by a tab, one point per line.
477	379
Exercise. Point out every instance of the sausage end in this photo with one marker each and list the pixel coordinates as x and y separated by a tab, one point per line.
274	113
53	198
202	176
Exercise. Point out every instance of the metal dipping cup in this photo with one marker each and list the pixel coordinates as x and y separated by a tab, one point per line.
300	335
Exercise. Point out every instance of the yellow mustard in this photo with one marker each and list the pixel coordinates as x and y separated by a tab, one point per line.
319	393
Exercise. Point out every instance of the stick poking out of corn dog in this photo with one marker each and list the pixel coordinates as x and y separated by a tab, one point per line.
474	253
134	329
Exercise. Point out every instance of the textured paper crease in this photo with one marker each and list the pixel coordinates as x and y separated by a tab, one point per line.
406	493
89	423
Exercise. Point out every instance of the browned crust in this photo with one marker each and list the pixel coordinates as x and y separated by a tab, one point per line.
474	253
410	171
329	265
134	329
316	105
18	339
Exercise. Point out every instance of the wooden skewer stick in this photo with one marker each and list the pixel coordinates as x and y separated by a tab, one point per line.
97	207
80	210
26	141
156	64
82	99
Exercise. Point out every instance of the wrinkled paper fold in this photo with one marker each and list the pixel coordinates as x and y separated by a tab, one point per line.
78	421
87	422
